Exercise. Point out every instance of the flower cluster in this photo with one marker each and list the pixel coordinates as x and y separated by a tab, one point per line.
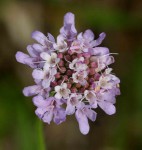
71	75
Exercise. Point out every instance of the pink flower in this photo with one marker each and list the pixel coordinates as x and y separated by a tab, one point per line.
71	75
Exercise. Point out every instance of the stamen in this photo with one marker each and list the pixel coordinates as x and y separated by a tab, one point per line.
108	54
49	40
59	67
82	99
63	81
39	61
67	60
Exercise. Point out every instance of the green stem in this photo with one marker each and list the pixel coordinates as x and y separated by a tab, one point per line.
40	136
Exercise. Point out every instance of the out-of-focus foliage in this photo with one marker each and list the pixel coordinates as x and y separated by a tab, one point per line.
19	127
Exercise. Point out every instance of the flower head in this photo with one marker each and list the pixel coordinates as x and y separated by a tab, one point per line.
72	75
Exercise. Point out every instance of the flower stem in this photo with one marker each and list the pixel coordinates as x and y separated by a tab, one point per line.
40	136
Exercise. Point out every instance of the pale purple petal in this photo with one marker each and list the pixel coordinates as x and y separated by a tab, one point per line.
58	96
109	96
80	36
39	37
99	51
32	51
91	114
47	117
38	74
59	115
83	122
68	30
116	91
69	18
39	112
40	102
39	48
25	59
99	40
88	35
31	90
51	38
108	107
20	57
46	83
70	109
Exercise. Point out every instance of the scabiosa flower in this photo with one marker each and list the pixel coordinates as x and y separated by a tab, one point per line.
72	75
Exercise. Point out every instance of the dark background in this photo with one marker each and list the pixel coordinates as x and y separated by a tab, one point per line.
20	129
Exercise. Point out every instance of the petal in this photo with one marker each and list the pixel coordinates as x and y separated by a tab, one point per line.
59	115
51	38
91	114
57	88
39	101
99	40
109	60
66	94
64	85
53	55
73	29
31	90
32	51
108	107
46	83
38	47
46	67
39	37
88	35
20	57
83	122
40	112
68	30
116	79
116	91
38	74
58	96
69	18
109	96
60	39
55	46
80	36
45	56
99	51
70	109
47	117
53	71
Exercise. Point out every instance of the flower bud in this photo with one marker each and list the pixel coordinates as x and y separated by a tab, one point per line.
68	85
93	65
69	72
60	55
79	55
73	56
63	69
82	90
57	75
86	55
73	90
61	63
78	85
54	83
59	82
65	77
92	71
67	57
91	80
86	61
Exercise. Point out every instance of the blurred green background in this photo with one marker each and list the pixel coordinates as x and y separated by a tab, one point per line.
20	129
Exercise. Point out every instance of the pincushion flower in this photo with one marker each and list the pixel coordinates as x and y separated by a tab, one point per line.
71	75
